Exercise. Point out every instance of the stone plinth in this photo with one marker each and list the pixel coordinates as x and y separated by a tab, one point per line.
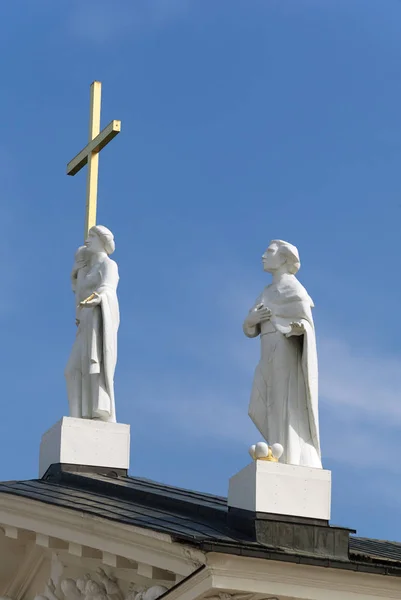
269	487
85	442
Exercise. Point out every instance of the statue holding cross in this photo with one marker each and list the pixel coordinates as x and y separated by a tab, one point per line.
91	365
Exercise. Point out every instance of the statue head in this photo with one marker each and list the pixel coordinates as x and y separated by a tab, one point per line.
281	256
100	239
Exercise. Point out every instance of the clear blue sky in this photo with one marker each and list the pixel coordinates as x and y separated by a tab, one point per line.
242	121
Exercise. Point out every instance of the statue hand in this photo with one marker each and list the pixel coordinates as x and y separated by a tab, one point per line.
91	303
93	300
297	328
260	314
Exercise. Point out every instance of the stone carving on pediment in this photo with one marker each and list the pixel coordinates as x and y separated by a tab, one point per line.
98	587
150	593
84	588
192	557
136	592
49	593
110	585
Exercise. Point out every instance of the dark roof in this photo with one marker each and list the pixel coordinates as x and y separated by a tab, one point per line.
376	549
189	517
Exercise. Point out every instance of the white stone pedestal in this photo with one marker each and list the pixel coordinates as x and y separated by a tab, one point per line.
85	442
271	487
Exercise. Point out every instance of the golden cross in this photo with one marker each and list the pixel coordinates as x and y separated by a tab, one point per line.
90	154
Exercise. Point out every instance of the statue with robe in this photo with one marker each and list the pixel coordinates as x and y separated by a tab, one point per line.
90	368
284	397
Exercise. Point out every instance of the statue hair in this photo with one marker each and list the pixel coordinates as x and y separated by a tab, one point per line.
106	237
291	255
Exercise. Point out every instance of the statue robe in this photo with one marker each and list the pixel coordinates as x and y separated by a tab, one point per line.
90	369
284	397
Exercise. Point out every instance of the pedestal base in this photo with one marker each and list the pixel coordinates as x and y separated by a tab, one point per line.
85	442
279	489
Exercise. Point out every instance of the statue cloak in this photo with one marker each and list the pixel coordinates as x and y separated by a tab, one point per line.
103	341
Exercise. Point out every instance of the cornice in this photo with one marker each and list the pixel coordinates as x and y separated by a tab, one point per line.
141	545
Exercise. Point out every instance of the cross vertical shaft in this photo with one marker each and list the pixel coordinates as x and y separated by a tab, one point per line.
93	157
90	154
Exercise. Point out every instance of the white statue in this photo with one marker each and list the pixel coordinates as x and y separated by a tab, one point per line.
284	397
90	369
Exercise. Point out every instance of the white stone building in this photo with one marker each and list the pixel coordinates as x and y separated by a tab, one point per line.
97	533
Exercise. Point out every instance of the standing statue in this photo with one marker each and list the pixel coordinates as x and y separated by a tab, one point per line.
284	397
90	368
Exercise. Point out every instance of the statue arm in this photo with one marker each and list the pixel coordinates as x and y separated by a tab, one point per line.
293	320
250	330
252	323
108	281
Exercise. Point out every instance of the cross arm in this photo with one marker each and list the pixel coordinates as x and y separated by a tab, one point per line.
95	145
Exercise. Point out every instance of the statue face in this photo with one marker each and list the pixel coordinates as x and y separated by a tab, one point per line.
93	243
272	259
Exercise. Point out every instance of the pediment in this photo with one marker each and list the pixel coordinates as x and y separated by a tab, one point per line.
43	545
